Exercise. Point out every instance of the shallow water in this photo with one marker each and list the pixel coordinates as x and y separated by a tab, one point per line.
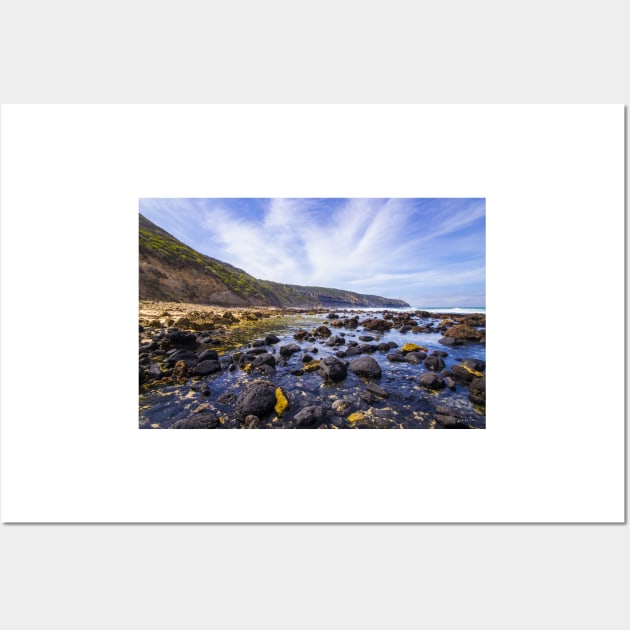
408	404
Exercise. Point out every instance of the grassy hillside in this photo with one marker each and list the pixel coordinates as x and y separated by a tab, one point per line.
172	271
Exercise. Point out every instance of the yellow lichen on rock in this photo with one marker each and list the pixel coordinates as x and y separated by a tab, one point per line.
412	347
282	403
471	371
357	416
311	367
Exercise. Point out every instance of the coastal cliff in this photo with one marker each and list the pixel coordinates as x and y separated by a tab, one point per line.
172	271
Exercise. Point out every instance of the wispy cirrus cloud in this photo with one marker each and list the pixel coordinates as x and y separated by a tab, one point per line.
414	249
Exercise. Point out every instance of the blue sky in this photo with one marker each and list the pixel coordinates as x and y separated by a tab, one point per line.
429	252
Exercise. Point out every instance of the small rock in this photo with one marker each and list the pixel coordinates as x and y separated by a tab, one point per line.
477	391
430	380
207	367
434	363
475	364
271	339
335	340
416	357
154	371
412	347
308	417
251	421
178	338
203	420
366	366
323	331
377	389
288	350
206	355
340	405
202	387
333	368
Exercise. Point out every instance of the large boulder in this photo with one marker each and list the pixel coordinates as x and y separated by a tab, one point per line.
333	368
258	399
366	366
271	339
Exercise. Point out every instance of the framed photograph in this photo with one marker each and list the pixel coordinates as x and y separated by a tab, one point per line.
316	338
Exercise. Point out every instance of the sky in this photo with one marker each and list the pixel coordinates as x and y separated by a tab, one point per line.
428	252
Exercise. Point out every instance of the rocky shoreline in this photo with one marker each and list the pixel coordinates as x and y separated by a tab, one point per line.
205	367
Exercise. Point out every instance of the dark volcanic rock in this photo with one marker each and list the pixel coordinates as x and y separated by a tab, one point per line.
376	324
475	364
434	363
431	380
202	387
289	349
335	340
366	366
463	332
397	357
207	367
271	339
477	391
179	339
299	334
154	371
190	358
323	331
205	420
257	399
308	417
333	368
366	338
450	341
416	357
464	374
264	359
377	389
209	354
